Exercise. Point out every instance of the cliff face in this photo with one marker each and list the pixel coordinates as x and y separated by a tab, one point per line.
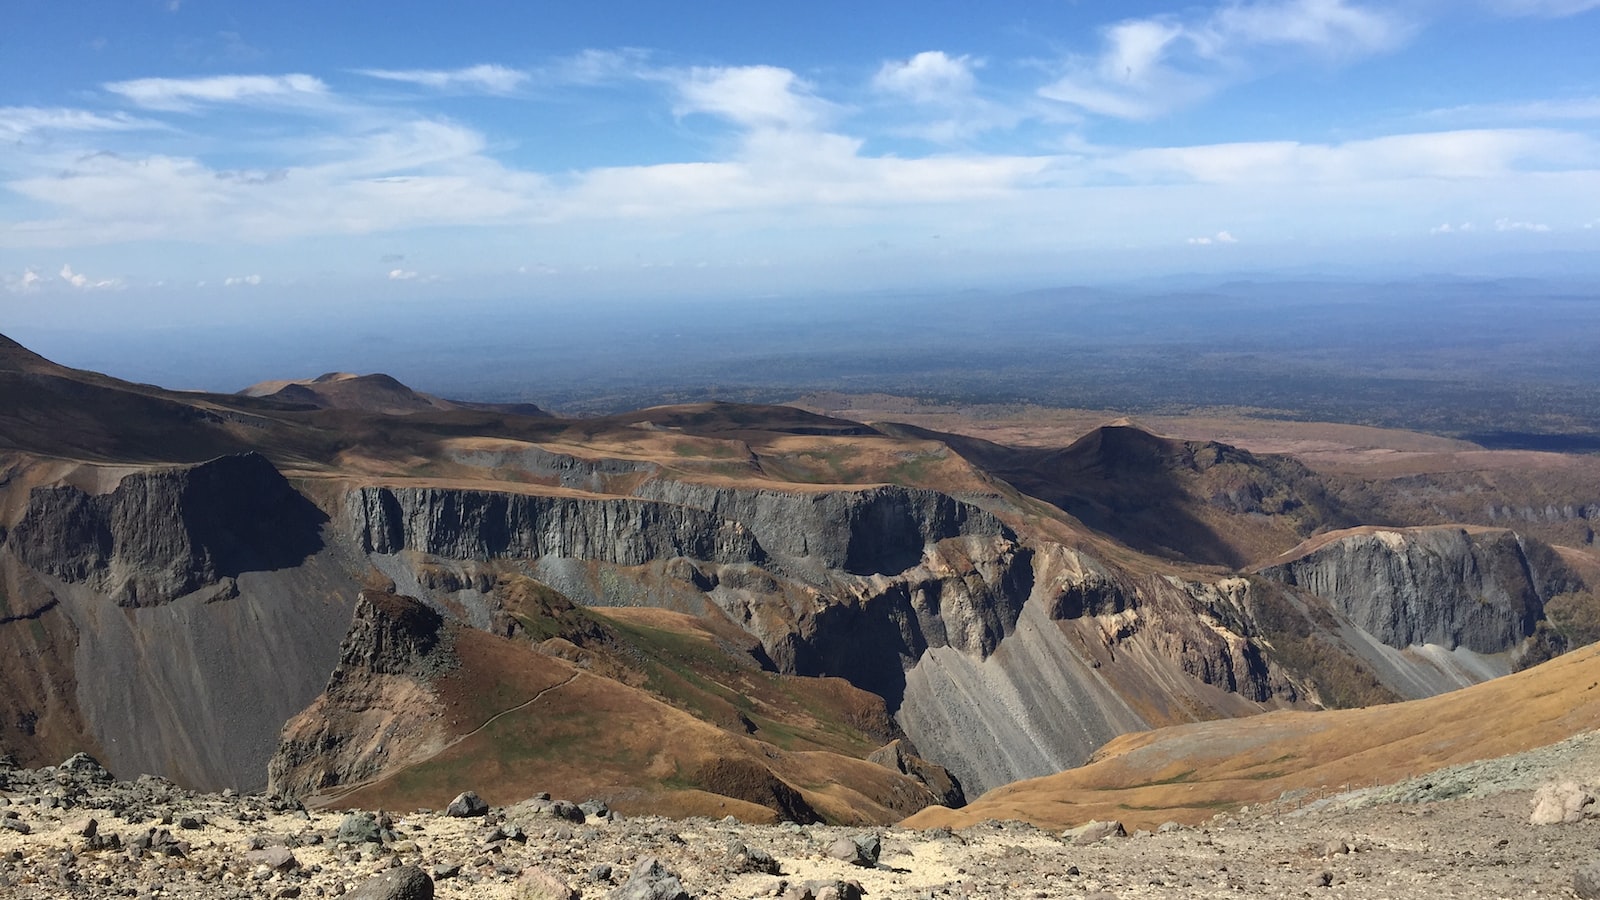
168	532
479	525
203	609
1090	655
1484	590
880	530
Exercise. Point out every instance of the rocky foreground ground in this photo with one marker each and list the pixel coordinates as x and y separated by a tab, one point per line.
71	831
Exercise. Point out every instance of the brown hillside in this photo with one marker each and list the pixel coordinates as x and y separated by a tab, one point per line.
1195	502
1189	773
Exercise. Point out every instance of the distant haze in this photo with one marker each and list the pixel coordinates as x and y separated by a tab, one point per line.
1451	356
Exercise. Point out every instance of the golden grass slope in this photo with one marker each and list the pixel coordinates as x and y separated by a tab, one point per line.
1188	773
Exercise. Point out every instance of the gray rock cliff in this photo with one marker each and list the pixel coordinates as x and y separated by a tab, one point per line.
876	530
470	524
164	533
1482	590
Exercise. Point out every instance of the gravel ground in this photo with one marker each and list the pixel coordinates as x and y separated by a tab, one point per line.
1461	832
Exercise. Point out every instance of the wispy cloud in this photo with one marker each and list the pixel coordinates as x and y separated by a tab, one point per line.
1572	109
1512	225
1449	154
1221	237
1148	66
595	67
487	78
180	94
401	274
17	121
241	280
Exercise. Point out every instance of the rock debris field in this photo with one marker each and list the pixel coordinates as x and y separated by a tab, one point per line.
71	831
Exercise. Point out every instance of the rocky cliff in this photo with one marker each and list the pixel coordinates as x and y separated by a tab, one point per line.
467	524
203	608
166	532
1483	590
871	531
378	709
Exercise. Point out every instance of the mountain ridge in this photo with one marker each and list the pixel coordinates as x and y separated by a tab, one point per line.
1008	608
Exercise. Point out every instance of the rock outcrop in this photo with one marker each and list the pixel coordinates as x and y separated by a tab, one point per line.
900	756
1483	590
378	709
163	533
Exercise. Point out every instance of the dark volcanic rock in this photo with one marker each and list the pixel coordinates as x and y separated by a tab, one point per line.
359	828
85	766
650	881
858	851
467	804
389	634
404	883
164	533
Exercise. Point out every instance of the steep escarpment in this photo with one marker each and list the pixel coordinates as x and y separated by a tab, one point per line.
189	610
1483	590
878	530
166	532
471	524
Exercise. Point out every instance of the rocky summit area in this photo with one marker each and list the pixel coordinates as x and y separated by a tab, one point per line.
1520	826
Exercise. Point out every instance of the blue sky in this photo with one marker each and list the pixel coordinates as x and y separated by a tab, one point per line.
181	152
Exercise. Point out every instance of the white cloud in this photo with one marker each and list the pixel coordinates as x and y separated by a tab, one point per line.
1550	9
751	96
1221	237
179	94
26	283
1149	66
492	79
84	282
1447	228
235	280
18	121
1510	225
929	77
401	275
1445	154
